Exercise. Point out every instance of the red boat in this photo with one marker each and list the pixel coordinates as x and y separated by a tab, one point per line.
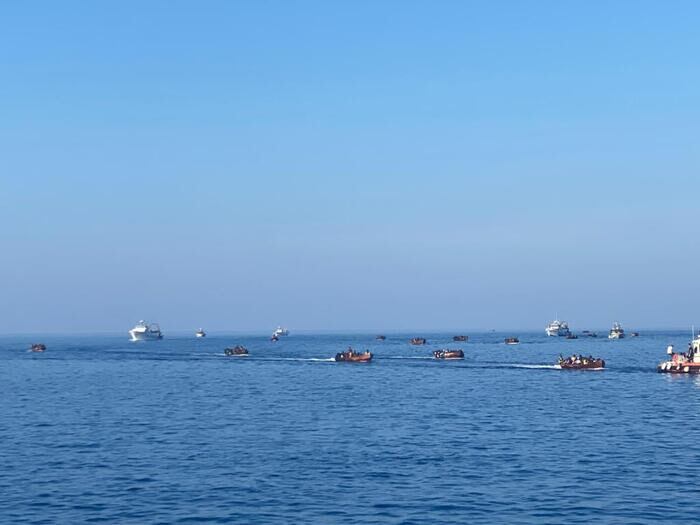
350	356
682	363
578	362
448	354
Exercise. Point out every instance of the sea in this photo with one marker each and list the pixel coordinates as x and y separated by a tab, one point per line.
99	429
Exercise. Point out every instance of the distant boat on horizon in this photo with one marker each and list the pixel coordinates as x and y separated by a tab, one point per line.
558	328
280	332
616	332
144	331
200	333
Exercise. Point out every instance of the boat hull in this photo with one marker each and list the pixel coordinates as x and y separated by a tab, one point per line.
597	364
358	358
144	336
448	354
682	367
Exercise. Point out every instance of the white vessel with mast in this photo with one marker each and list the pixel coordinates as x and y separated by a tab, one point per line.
144	331
558	328
616	332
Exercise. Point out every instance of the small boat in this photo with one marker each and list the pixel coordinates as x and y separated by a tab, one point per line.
417	341
200	333
381	338
634	334
572	336
236	351
587	333
350	356
460	339
682	363
274	338
448	354
280	332
38	347
557	328
579	362
512	341
144	331
616	332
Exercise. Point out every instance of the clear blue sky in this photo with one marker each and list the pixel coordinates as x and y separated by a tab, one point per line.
346	165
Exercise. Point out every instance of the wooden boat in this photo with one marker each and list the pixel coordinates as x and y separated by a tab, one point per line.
236	351
350	356
460	338
512	341
581	363
381	338
38	347
448	354
418	341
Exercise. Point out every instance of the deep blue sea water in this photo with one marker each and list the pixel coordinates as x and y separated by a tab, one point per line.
99	429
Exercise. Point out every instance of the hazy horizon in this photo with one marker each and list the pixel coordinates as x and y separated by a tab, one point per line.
244	164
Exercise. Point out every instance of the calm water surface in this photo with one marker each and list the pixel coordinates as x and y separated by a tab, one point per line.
98	429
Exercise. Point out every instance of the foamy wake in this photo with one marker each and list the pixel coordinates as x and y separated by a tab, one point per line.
543	367
408	357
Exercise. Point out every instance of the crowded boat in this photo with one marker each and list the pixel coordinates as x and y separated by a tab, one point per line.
236	351
448	354
579	362
350	356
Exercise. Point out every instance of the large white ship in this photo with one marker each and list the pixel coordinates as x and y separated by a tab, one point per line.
280	332
616	332
558	328
144	331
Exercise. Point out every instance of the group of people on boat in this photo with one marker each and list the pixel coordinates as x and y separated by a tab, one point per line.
580	361
236	350
354	357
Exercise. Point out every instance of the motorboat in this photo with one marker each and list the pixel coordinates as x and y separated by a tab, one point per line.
682	363
144	331
280	332
588	333
274	338
38	347
572	336
448	354
236	351
579	362
634	334
350	356
512	341
417	341
200	333
557	328
381	338
460	338
616	332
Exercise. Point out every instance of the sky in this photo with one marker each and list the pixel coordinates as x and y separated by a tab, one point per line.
391	165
